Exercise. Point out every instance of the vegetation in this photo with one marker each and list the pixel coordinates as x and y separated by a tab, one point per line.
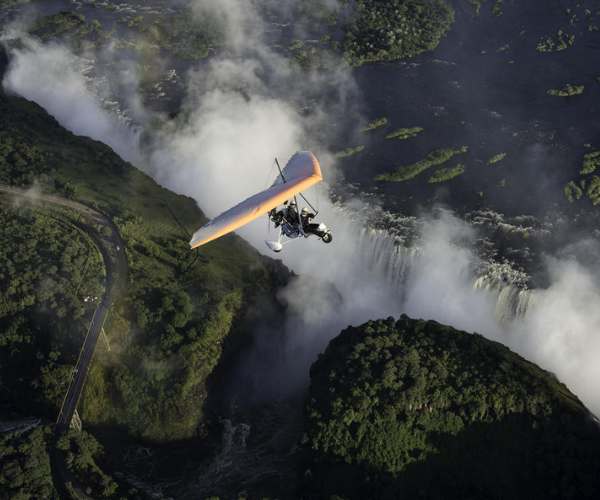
183	34
166	331
497	8
25	456
476	5
593	190
309	55
370	31
81	453
573	192
398	29
591	161
446	174
562	42
404	133
349	152
25	464
323	11
375	124
69	25
568	90
50	274
412	408
496	158
433	159
11	3
587	184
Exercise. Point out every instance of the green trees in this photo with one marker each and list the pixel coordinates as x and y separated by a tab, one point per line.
562	42
433	159
446	174
46	269
407	407
168	324
572	191
81	452
21	162
385	31
403	134
346	153
183	34
25	465
497	158
587	184
25	471
591	161
375	124
368	31
568	90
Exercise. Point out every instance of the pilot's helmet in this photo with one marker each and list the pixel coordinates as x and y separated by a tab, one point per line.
304	211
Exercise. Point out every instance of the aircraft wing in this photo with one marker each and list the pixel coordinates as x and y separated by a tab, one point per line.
301	172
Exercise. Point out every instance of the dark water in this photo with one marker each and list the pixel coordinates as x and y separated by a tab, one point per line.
485	87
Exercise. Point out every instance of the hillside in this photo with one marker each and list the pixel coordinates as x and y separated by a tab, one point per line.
166	330
414	408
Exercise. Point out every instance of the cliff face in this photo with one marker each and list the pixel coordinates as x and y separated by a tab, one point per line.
413	408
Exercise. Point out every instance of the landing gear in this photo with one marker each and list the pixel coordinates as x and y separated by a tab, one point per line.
290	230
319	230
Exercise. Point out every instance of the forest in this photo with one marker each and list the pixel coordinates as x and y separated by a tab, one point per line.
177	309
412	407
398	29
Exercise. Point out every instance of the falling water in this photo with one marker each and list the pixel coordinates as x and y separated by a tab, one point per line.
512	301
386	255
390	245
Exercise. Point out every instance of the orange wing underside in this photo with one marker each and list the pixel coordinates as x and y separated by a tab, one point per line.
261	203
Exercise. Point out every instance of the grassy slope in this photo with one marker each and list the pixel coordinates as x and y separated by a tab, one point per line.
166	332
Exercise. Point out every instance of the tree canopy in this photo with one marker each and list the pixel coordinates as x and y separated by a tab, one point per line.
414	407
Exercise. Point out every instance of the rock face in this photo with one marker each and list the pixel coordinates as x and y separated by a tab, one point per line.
416	409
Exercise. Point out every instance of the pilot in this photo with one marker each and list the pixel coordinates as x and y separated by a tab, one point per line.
294	224
308	226
288	214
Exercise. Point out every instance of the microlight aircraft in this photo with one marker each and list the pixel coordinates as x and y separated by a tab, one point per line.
279	202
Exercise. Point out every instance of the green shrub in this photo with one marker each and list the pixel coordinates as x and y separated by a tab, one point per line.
496	158
568	90
446	174
375	124
591	161
405	133
433	159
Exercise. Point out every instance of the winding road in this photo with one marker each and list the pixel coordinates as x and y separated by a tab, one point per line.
111	247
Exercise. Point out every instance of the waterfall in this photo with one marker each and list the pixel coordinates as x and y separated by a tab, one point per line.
513	298
390	246
386	255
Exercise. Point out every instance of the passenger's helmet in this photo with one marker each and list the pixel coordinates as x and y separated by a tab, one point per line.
304	211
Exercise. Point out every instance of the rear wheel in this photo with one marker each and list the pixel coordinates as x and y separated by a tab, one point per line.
327	237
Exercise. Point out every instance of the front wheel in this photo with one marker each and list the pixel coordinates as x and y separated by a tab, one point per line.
327	237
